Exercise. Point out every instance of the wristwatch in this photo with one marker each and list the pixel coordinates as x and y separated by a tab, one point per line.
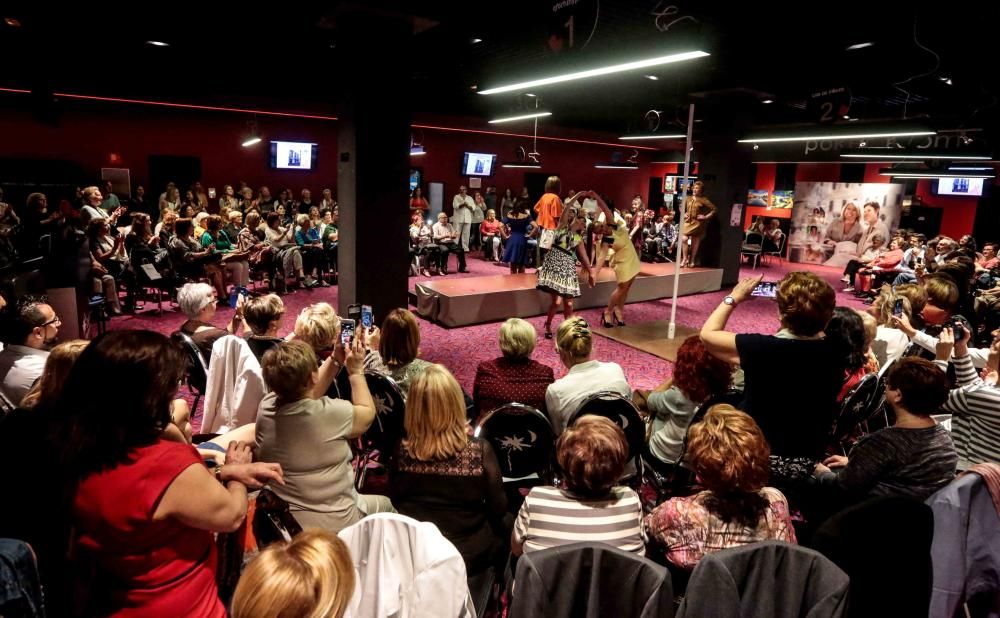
729	300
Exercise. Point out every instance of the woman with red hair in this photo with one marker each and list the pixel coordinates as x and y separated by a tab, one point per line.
697	376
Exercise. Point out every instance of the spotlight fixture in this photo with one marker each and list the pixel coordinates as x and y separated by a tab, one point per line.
756	147
767	101
652	136
530	94
858	46
605	70
158	43
521	117
945	79
809	138
254	137
652	77
476	40
417	151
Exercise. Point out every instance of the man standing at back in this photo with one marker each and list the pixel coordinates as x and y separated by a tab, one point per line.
462	219
30	329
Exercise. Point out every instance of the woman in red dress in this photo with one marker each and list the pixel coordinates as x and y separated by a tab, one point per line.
144	509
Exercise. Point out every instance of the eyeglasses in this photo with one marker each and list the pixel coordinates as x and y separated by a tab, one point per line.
54	320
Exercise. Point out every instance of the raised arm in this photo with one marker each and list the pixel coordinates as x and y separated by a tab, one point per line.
718	341
609	216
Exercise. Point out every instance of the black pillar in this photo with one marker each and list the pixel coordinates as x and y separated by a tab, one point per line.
725	167
373	135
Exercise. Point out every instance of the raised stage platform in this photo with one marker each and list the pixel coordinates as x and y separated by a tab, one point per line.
472	300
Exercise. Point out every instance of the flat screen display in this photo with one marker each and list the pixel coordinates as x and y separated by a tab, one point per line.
293	155
972	187
478	164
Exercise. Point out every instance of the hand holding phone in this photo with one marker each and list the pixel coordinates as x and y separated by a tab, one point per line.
367	320
347	327
897	308
765	289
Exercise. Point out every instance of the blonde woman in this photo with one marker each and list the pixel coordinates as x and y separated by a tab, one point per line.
47	387
443	476
312	577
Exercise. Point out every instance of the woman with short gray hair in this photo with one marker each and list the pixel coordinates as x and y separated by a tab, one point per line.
198	302
514	377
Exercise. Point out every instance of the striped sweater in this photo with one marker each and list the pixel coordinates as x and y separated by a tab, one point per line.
975	425
551	517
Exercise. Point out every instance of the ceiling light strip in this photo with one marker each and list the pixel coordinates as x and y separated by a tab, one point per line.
522	117
606	70
807	138
541	137
524	165
615	167
918	157
935	175
651	136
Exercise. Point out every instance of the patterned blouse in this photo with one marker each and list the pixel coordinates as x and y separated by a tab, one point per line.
566	240
687	530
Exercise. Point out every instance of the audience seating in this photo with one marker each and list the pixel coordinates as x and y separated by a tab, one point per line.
197	369
860	404
272	521
622	412
387	428
590	580
753	247
778	250
235	386
524	442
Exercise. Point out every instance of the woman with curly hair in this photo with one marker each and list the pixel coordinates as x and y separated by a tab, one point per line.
728	452
697	376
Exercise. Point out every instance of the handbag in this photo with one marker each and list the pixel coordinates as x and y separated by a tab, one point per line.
546	238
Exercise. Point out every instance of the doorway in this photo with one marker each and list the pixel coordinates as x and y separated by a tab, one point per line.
654	201
535	182
182	171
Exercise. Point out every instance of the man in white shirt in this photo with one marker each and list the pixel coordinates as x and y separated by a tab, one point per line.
446	238
462	204
35	325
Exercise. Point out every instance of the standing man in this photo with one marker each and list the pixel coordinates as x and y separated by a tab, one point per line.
462	205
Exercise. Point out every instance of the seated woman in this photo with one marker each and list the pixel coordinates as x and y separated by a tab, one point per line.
134	515
422	246
282	240
110	260
165	228
974	403
697	376
218	242
398	349
198	302
191	260
915	456
443	476
728	452
311	575
263	316
584	377
308	433
866	259
886	333
514	376
307	237
489	231
794	370
592	456
846	330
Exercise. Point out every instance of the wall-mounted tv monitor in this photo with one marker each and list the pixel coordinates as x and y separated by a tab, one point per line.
293	155
478	164
971	187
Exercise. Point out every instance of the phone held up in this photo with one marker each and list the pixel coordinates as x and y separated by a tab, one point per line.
897	308
765	289
236	293
347	331
367	321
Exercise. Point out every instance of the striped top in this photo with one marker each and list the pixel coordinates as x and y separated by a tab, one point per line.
551	517
975	424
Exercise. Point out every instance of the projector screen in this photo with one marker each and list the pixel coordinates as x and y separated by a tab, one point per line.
960	186
293	155
478	164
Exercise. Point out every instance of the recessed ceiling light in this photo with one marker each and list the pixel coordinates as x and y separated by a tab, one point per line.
808	138
476	40
473	87
652	77
605	70
521	117
158	43
857	46
529	94
13	22
767	101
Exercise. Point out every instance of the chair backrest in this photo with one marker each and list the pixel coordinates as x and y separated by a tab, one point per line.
779	244
272	520
522	438
197	370
860	403
754	240
732	397
621	411
390	408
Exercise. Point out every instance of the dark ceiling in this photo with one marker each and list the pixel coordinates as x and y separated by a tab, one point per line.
286	57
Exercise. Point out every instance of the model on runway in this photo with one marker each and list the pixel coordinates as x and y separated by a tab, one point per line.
698	210
625	262
558	275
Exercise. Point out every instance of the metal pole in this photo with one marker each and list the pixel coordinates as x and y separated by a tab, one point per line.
672	329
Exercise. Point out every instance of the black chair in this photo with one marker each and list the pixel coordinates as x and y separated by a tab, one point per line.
272	520
622	412
859	405
524	442
752	247
197	369
386	430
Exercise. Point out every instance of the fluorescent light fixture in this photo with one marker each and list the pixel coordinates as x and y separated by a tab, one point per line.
522	117
652	136
530	94
970	169
251	141
609	166
809	138
476	40
534	166
606	70
652	77
158	43
767	101
417	153
857	46
937	175
920	157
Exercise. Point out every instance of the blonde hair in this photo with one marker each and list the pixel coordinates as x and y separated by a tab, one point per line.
234	215
871	327
573	338
318	326
435	421
302	220
310	577
286	368
885	303
57	367
517	338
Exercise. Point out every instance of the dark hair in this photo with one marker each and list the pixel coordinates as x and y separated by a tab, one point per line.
17	321
698	374
95	433
182	227
846	331
922	385
272	217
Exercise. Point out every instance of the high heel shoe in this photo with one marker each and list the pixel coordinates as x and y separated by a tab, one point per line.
548	330
619	321
605	322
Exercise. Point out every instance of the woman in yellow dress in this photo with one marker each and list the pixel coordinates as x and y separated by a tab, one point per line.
696	215
625	261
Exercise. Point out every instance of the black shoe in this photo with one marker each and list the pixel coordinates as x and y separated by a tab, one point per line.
548	331
463	270
604	321
444	271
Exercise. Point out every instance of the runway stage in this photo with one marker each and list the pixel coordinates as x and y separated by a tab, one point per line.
473	300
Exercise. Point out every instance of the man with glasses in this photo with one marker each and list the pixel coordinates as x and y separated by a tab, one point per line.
31	328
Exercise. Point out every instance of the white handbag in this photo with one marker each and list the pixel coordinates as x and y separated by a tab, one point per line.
546	238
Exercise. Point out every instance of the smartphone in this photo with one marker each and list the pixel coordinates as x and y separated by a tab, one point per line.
235	294
211	193
920	260
367	321
897	308
766	289
354	312
958	330
347	331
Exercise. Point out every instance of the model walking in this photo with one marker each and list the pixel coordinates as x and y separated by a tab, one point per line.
625	262
558	275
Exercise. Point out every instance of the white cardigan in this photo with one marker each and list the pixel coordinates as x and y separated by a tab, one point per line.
235	386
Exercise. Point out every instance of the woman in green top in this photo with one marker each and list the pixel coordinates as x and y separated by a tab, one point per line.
235	263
